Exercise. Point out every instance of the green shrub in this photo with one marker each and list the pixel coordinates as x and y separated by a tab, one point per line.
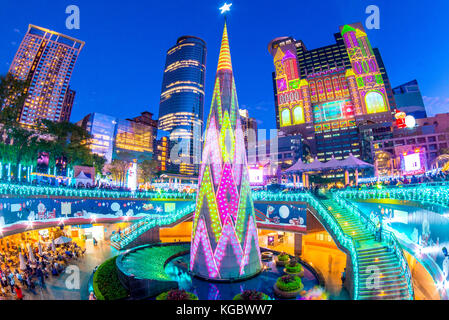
289	283
177	294
293	267
251	295
283	256
106	283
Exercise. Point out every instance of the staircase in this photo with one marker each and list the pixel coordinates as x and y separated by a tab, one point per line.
129	235
372	256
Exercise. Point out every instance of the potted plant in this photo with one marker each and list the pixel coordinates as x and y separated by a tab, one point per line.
282	259
177	294
251	295
294	268
288	286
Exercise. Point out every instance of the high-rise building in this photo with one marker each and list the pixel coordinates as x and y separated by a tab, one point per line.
45	59
67	105
409	99
324	94
182	99
249	128
114	138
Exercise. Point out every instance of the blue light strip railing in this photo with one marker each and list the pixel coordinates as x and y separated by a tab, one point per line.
335	229
431	193
388	236
29	190
132	232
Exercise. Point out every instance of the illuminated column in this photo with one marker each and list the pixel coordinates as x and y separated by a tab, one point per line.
225	242
346	177
356	177
353	91
305	94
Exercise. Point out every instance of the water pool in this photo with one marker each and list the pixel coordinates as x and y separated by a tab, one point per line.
176	269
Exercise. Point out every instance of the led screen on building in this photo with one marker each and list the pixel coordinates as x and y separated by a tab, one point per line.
412	162
334	110
256	177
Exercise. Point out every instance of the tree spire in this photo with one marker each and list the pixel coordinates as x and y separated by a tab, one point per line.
224	61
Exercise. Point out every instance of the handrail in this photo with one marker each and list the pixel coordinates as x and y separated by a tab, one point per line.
147	223
355	210
434	195
343	238
392	242
402	260
29	190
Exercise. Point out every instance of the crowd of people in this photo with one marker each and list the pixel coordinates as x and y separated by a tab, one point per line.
23	271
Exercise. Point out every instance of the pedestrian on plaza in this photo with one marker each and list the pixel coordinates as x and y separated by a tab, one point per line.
12	282
40	276
19	293
20	278
30	284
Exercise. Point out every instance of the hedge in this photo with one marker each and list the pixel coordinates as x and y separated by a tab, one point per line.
106	283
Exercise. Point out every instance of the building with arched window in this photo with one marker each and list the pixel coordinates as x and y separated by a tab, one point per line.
325	94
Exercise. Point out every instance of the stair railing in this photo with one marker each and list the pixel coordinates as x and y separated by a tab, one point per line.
343	238
132	232
389	237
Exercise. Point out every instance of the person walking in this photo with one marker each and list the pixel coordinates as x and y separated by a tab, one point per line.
19	293
12	282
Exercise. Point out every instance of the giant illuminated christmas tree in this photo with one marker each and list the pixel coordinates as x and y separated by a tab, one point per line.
224	235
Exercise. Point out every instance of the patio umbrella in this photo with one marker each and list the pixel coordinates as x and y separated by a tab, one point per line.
30	253
22	263
39	246
62	240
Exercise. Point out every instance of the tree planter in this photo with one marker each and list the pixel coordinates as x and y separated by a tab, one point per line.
281	262
287	294
288	286
251	295
267	256
299	273
177	295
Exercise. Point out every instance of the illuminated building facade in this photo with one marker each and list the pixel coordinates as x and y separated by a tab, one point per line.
225	242
121	139
46	60
428	138
249	128
67	105
182	98
325	93
162	149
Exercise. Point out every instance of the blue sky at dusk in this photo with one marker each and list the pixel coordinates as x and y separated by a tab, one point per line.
119	72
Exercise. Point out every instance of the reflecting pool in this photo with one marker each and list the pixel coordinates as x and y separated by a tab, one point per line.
177	268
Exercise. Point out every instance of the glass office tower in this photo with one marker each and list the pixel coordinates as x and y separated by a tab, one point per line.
182	100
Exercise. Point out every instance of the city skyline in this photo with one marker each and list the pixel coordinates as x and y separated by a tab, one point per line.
107	90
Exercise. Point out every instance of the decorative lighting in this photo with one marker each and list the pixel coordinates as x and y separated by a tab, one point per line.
410	121
225	8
